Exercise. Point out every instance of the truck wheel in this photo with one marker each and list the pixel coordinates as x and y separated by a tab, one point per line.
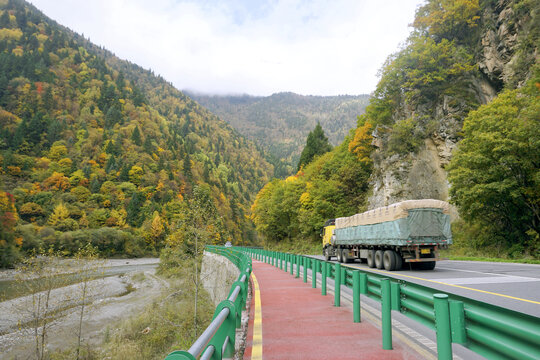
427	265
339	255
379	259
399	261
326	253
389	260
371	258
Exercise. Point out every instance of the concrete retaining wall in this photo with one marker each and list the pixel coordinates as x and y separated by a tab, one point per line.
218	274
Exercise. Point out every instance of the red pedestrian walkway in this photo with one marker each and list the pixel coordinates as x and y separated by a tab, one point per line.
299	323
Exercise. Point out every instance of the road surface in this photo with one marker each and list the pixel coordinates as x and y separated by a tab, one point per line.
509	285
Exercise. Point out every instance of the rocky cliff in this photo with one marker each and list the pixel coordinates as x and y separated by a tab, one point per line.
503	44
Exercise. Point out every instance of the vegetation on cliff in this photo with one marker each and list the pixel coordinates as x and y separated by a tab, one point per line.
495	173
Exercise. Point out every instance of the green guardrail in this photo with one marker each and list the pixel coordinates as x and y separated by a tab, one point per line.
491	331
218	340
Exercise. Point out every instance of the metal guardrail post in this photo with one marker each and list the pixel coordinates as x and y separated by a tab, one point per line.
306	262
363	283
356	296
386	314
323	277
457	322
442	325
337	285
395	294
180	355
314	273
298	259
291	262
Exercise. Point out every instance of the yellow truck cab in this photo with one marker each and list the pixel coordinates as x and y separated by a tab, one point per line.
327	232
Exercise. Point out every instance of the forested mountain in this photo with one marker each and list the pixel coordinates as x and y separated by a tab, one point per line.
455	116
96	149
280	123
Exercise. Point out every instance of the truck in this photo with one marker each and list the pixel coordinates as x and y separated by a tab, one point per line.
411	231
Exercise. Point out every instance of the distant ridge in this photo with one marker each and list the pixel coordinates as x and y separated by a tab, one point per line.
280	123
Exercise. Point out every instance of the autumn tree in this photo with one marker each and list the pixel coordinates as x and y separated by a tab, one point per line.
361	145
8	217
198	226
450	19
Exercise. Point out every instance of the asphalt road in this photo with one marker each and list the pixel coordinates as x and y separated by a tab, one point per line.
512	286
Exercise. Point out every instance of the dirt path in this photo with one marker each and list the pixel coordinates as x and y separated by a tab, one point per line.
112	299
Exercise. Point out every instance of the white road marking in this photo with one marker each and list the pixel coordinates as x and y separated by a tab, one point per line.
487	280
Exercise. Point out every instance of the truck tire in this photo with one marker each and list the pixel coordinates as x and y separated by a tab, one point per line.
427	265
379	259
326	253
371	258
399	261
339	255
389	260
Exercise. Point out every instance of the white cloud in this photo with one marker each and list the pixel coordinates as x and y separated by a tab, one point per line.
318	47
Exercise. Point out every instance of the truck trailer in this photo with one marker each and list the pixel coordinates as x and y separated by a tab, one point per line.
411	231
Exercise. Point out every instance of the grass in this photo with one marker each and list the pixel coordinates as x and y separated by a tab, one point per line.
457	254
162	327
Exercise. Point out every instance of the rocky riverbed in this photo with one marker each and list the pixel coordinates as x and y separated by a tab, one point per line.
108	300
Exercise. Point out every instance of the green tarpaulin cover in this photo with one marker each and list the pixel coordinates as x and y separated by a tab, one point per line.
421	225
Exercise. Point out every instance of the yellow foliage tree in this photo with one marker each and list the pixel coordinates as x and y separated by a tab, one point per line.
57	152
360	145
57	181
59	214
135	174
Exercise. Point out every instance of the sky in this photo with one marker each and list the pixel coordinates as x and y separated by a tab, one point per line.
255	47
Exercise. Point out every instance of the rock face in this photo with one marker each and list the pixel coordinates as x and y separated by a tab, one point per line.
422	174
499	43
416	176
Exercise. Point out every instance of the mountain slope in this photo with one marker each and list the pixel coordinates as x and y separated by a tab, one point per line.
89	141
281	122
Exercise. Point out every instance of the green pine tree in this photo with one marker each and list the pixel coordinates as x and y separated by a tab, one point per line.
316	144
136	136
